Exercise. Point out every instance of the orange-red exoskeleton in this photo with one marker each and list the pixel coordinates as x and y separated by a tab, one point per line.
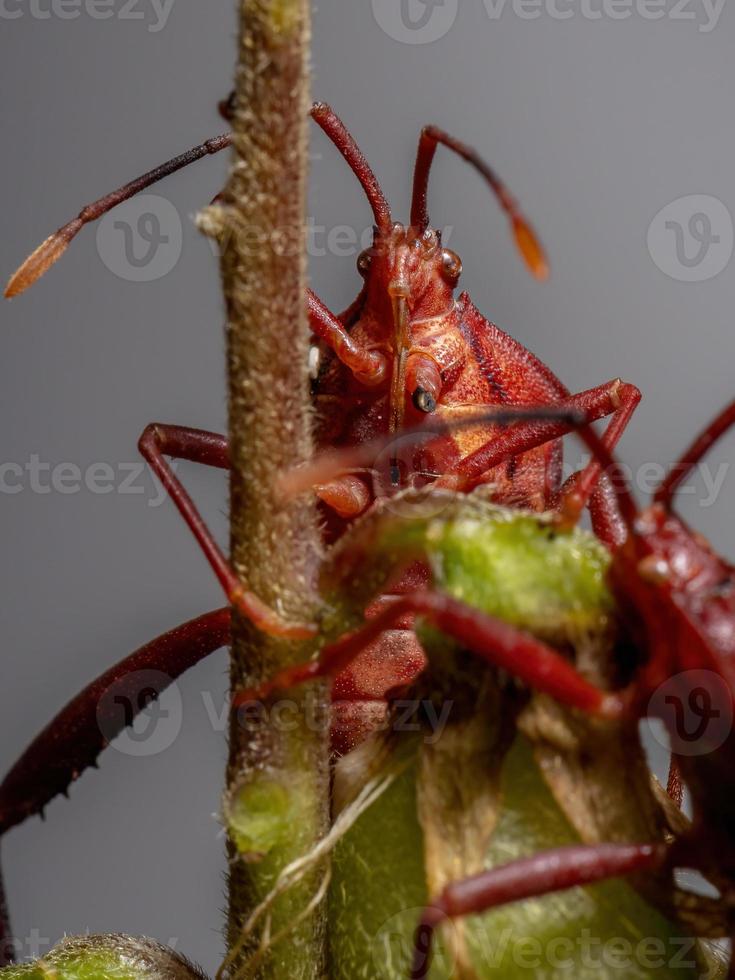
676	598
407	349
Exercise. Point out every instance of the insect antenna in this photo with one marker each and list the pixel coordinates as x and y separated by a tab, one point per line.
575	501
689	459
526	239
328	120
51	250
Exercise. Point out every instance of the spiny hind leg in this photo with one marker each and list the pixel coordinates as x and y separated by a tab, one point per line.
73	740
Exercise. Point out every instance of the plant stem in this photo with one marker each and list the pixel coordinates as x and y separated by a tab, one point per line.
278	790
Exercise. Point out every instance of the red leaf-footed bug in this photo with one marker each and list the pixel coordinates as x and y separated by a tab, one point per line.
405	350
676	597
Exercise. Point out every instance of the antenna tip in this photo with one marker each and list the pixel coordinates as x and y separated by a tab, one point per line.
41	260
530	248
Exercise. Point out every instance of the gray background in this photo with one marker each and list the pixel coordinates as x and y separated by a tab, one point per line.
597	125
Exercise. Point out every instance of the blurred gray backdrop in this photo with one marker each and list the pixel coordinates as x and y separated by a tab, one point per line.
600	114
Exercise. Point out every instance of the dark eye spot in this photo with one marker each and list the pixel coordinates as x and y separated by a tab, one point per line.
451	265
424	401
364	261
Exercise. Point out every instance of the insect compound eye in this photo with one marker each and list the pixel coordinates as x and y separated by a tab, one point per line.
451	265
424	401
364	261
430	242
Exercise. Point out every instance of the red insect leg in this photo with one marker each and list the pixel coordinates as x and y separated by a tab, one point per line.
616	398
529	429
492	640
704	441
70	743
393	660
368	366
73	740
628	397
550	871
546	424
605	514
211	449
674	785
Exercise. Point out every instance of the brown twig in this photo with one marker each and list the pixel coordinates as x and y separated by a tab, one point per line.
274	544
